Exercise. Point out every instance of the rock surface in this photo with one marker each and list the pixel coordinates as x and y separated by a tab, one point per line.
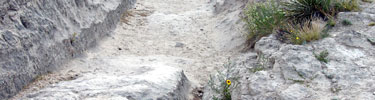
38	36
279	71
118	78
156	44
167	49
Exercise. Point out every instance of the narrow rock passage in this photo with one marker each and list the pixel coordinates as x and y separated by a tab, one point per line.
171	28
155	42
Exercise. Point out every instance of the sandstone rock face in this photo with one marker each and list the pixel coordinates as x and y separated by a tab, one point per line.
36	36
279	71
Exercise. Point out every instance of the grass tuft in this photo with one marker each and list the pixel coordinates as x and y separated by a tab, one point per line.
368	1
371	24
347	5
331	23
307	32
346	22
322	56
256	69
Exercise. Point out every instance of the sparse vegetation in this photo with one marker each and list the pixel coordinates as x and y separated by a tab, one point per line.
256	69
347	5
322	56
225	91
302	10
307	32
331	23
335	89
346	22
297	81
223	84
294	20
298	73
73	38
262	63
368	1
262	19
371	24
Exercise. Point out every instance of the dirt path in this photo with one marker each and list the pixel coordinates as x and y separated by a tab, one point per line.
171	28
178	33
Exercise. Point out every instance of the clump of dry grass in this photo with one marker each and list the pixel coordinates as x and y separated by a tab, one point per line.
307	31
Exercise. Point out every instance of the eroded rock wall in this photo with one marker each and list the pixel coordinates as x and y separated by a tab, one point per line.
36	36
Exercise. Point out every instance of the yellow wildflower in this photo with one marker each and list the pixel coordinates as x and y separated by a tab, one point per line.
229	82
297	38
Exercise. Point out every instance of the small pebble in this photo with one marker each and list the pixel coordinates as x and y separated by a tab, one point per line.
371	40
119	49
178	44
272	76
334	80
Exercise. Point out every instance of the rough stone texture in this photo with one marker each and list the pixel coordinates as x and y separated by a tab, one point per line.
148	37
118	78
230	32
229	27
291	72
37	36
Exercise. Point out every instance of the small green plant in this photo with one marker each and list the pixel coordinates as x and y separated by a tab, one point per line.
371	24
347	5
226	92
223	83
346	22
226	95
368	1
256	69
73	37
302	10
335	89
262	19
297	81
298	73
331	23
322	56
262	63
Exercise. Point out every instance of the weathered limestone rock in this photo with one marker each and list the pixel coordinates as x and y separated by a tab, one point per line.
119	78
291	72
229	27
37	36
